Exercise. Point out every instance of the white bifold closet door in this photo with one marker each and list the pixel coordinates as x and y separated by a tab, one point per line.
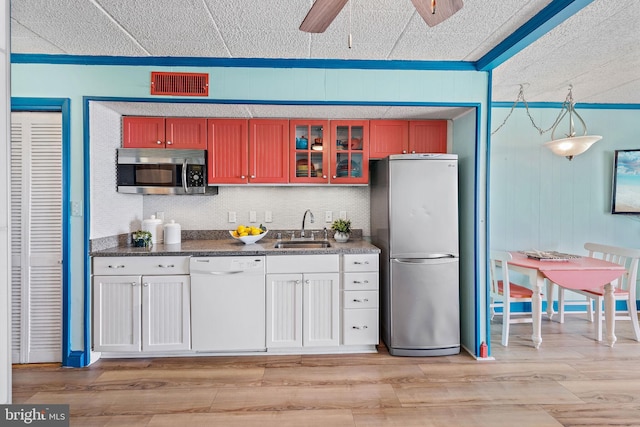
36	237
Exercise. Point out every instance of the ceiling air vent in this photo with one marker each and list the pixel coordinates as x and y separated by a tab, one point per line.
180	84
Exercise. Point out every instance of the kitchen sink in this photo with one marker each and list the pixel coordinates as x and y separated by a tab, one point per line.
302	244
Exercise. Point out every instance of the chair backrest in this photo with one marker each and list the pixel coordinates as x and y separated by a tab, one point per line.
627	257
499	257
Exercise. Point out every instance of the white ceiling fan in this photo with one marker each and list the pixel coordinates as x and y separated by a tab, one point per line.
323	12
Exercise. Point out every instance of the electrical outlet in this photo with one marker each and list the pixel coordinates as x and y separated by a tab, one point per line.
268	217
232	216
328	216
252	216
343	214
76	208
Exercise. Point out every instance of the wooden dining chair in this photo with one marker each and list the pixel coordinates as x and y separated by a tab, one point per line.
625	287
503	296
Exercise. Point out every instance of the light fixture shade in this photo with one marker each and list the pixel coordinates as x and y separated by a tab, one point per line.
572	146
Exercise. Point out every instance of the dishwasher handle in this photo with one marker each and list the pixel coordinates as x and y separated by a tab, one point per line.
219	273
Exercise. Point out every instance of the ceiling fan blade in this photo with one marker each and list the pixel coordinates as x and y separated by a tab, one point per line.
444	9
321	15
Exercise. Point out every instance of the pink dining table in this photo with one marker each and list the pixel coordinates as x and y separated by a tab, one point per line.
575	273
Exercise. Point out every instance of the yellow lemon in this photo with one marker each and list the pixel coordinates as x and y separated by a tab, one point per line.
244	233
235	233
241	229
255	231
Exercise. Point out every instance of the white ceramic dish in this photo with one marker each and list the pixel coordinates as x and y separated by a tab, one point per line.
248	239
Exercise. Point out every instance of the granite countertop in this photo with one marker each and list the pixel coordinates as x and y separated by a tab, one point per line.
220	247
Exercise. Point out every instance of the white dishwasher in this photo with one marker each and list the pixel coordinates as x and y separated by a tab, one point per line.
228	303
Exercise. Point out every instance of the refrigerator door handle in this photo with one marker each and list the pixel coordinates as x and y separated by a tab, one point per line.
424	260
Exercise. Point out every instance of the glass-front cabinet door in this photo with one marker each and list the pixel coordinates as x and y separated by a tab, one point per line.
349	152
309	151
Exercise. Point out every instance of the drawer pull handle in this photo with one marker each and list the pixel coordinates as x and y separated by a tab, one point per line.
360	262
360	327
359	282
361	300
117	266
166	266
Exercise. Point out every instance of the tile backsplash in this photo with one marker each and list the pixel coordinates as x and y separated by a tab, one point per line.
286	204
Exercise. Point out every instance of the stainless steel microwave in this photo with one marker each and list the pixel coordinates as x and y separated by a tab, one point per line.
161	171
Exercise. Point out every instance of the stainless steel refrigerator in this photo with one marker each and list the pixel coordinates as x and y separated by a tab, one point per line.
414	221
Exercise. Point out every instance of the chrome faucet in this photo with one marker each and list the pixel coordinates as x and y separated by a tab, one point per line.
304	217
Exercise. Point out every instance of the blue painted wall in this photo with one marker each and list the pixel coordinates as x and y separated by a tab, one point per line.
539	200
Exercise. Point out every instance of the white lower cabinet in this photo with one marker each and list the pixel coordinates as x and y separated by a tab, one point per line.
360	299
303	301
148	311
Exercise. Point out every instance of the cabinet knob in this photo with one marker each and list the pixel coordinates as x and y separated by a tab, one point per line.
413	152
159	142
324	176
134	283
404	151
334	176
306	282
242	177
253	176
169	143
146	285
297	282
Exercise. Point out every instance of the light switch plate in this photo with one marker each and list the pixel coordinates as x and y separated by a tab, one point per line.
268	217
252	216
343	214
328	216
232	216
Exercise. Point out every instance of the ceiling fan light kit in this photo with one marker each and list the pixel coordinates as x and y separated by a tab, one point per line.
323	12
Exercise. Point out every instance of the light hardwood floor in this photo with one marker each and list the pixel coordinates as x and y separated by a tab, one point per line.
570	381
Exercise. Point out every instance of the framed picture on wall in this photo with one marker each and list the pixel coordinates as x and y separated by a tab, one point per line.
625	195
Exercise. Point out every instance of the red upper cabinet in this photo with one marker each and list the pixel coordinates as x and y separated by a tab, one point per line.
349	154
388	137
143	132
227	151
268	151
158	132
402	136
428	136
186	133
309	147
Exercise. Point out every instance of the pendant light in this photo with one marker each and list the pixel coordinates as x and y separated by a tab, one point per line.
571	145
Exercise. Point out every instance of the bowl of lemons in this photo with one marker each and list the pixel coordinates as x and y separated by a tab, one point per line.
248	233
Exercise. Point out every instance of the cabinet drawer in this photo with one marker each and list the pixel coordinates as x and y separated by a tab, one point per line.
156	265
303	264
360	327
359	299
360	262
360	281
